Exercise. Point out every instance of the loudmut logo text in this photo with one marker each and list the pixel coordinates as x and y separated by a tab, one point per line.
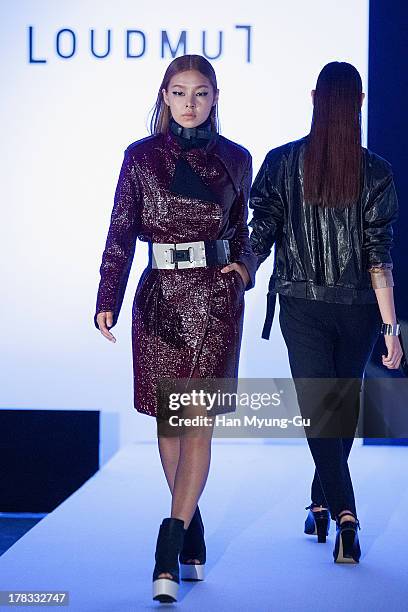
67	44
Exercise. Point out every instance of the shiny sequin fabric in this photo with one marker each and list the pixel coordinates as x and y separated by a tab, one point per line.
189	320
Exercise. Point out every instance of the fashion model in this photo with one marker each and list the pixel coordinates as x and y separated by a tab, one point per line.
184	190
328	205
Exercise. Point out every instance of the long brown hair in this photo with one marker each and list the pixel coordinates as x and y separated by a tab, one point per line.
333	154
161	112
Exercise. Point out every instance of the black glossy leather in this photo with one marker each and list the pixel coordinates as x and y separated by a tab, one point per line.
348	533
318	523
321	253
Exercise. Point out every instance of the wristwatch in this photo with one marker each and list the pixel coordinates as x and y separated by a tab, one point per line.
387	329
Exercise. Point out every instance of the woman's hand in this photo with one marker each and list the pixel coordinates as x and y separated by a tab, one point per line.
105	320
393	359
241	268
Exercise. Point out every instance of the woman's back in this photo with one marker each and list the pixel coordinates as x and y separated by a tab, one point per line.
327	202
322	252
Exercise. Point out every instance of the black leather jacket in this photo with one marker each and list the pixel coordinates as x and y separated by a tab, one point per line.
321	253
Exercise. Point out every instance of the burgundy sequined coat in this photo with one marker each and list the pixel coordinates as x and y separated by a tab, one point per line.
186	320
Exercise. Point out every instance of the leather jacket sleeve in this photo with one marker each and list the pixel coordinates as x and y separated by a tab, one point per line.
241	251
120	243
380	213
267	205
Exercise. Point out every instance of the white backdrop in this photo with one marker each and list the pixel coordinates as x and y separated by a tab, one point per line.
65	125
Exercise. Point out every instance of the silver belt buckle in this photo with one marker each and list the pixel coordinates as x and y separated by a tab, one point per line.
163	255
196	251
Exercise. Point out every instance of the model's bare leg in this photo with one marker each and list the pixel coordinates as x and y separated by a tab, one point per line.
188	456
192	471
169	450
186	462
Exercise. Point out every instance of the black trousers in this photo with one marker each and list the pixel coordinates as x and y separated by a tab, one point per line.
329	340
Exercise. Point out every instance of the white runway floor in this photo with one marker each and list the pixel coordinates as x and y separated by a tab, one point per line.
99	543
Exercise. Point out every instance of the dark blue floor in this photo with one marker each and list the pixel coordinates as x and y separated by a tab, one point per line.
12	528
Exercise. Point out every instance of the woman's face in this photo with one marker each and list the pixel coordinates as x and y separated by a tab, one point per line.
190	97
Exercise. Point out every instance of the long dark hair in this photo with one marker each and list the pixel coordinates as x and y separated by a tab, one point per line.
333	155
161	112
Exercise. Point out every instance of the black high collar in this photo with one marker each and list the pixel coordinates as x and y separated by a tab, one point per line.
198	133
200	137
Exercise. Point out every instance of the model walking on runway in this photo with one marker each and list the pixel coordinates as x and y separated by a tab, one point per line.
329	204
184	190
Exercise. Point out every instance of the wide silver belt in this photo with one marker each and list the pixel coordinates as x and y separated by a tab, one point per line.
167	255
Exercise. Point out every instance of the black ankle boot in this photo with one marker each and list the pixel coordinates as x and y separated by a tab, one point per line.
347	546
193	548
317	523
168	547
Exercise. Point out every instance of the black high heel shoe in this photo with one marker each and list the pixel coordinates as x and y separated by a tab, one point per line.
347	546
317	523
193	548
168	547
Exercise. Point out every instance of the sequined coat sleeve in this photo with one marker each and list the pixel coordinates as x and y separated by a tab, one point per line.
241	250
380	213
267	205
120	244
